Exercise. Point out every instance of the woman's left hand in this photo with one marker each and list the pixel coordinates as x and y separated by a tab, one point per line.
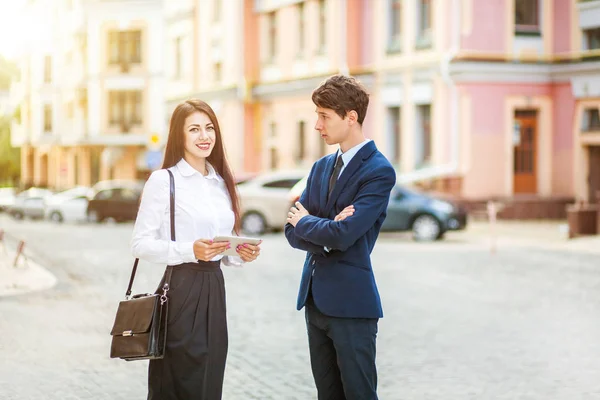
249	252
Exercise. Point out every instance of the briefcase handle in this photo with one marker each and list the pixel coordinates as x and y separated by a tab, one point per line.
169	270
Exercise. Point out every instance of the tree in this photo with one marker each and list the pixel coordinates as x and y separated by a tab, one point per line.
10	163
8	73
10	157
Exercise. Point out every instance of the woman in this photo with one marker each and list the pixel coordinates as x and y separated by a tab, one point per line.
206	206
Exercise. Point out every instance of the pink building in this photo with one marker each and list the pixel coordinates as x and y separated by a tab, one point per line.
492	99
527	92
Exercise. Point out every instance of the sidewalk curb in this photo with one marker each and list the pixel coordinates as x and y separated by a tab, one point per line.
27	277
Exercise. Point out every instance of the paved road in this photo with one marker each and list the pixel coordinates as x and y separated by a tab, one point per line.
459	323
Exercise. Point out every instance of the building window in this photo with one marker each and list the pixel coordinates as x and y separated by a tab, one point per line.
301	28
274	158
423	135
125	48
301	145
47	69
394	135
591	120
125	108
394	37
47	118
272	36
218	72
592	39
70	110
322	26
178	55
424	25
217	6
527	16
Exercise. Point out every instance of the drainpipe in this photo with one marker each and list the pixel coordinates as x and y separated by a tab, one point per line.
343	38
445	68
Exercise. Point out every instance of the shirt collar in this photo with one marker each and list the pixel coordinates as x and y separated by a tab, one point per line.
348	155
185	169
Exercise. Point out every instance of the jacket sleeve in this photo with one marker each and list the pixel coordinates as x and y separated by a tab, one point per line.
290	233
371	200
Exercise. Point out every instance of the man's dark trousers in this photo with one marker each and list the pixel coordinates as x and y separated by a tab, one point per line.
342	355
339	281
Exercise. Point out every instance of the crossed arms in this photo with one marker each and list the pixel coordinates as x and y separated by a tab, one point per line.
310	233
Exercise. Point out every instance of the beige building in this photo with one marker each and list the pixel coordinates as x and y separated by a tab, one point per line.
210	50
300	44
91	92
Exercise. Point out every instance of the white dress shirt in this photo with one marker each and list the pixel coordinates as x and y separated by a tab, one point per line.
202	211
347	157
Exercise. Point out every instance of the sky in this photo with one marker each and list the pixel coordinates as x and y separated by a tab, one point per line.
9	26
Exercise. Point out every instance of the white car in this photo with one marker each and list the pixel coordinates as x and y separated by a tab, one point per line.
7	198
29	203
265	200
70	205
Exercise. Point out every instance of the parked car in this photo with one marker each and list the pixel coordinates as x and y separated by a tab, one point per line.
27	206
70	205
428	216
265	200
7	198
29	203
117	200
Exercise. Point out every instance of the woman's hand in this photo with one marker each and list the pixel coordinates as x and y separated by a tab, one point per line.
345	213
249	252
206	249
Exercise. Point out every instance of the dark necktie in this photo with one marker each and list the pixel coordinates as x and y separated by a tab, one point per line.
336	172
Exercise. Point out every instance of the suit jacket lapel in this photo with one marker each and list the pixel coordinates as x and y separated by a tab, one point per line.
330	163
364	153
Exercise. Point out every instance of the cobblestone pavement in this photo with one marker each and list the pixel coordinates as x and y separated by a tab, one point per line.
459	322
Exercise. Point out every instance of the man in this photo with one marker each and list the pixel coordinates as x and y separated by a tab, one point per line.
336	221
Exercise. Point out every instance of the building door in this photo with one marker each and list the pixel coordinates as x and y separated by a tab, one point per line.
525	152
594	174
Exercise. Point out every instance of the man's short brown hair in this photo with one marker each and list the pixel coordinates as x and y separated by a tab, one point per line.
342	94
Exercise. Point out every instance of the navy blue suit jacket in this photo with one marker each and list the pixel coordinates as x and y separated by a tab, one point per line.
343	284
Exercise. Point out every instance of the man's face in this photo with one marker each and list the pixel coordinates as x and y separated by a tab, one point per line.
332	127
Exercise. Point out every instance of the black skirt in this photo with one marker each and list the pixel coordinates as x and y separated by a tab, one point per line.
194	362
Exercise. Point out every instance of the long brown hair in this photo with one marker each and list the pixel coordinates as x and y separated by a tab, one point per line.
175	149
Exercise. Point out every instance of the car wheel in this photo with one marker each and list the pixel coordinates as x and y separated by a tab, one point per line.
56	216
18	215
254	223
92	216
426	228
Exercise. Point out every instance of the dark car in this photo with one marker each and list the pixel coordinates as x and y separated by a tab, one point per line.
116	200
428	216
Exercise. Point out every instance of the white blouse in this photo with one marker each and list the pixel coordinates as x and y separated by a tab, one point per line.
202	211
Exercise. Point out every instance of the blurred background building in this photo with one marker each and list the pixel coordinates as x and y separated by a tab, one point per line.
479	98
